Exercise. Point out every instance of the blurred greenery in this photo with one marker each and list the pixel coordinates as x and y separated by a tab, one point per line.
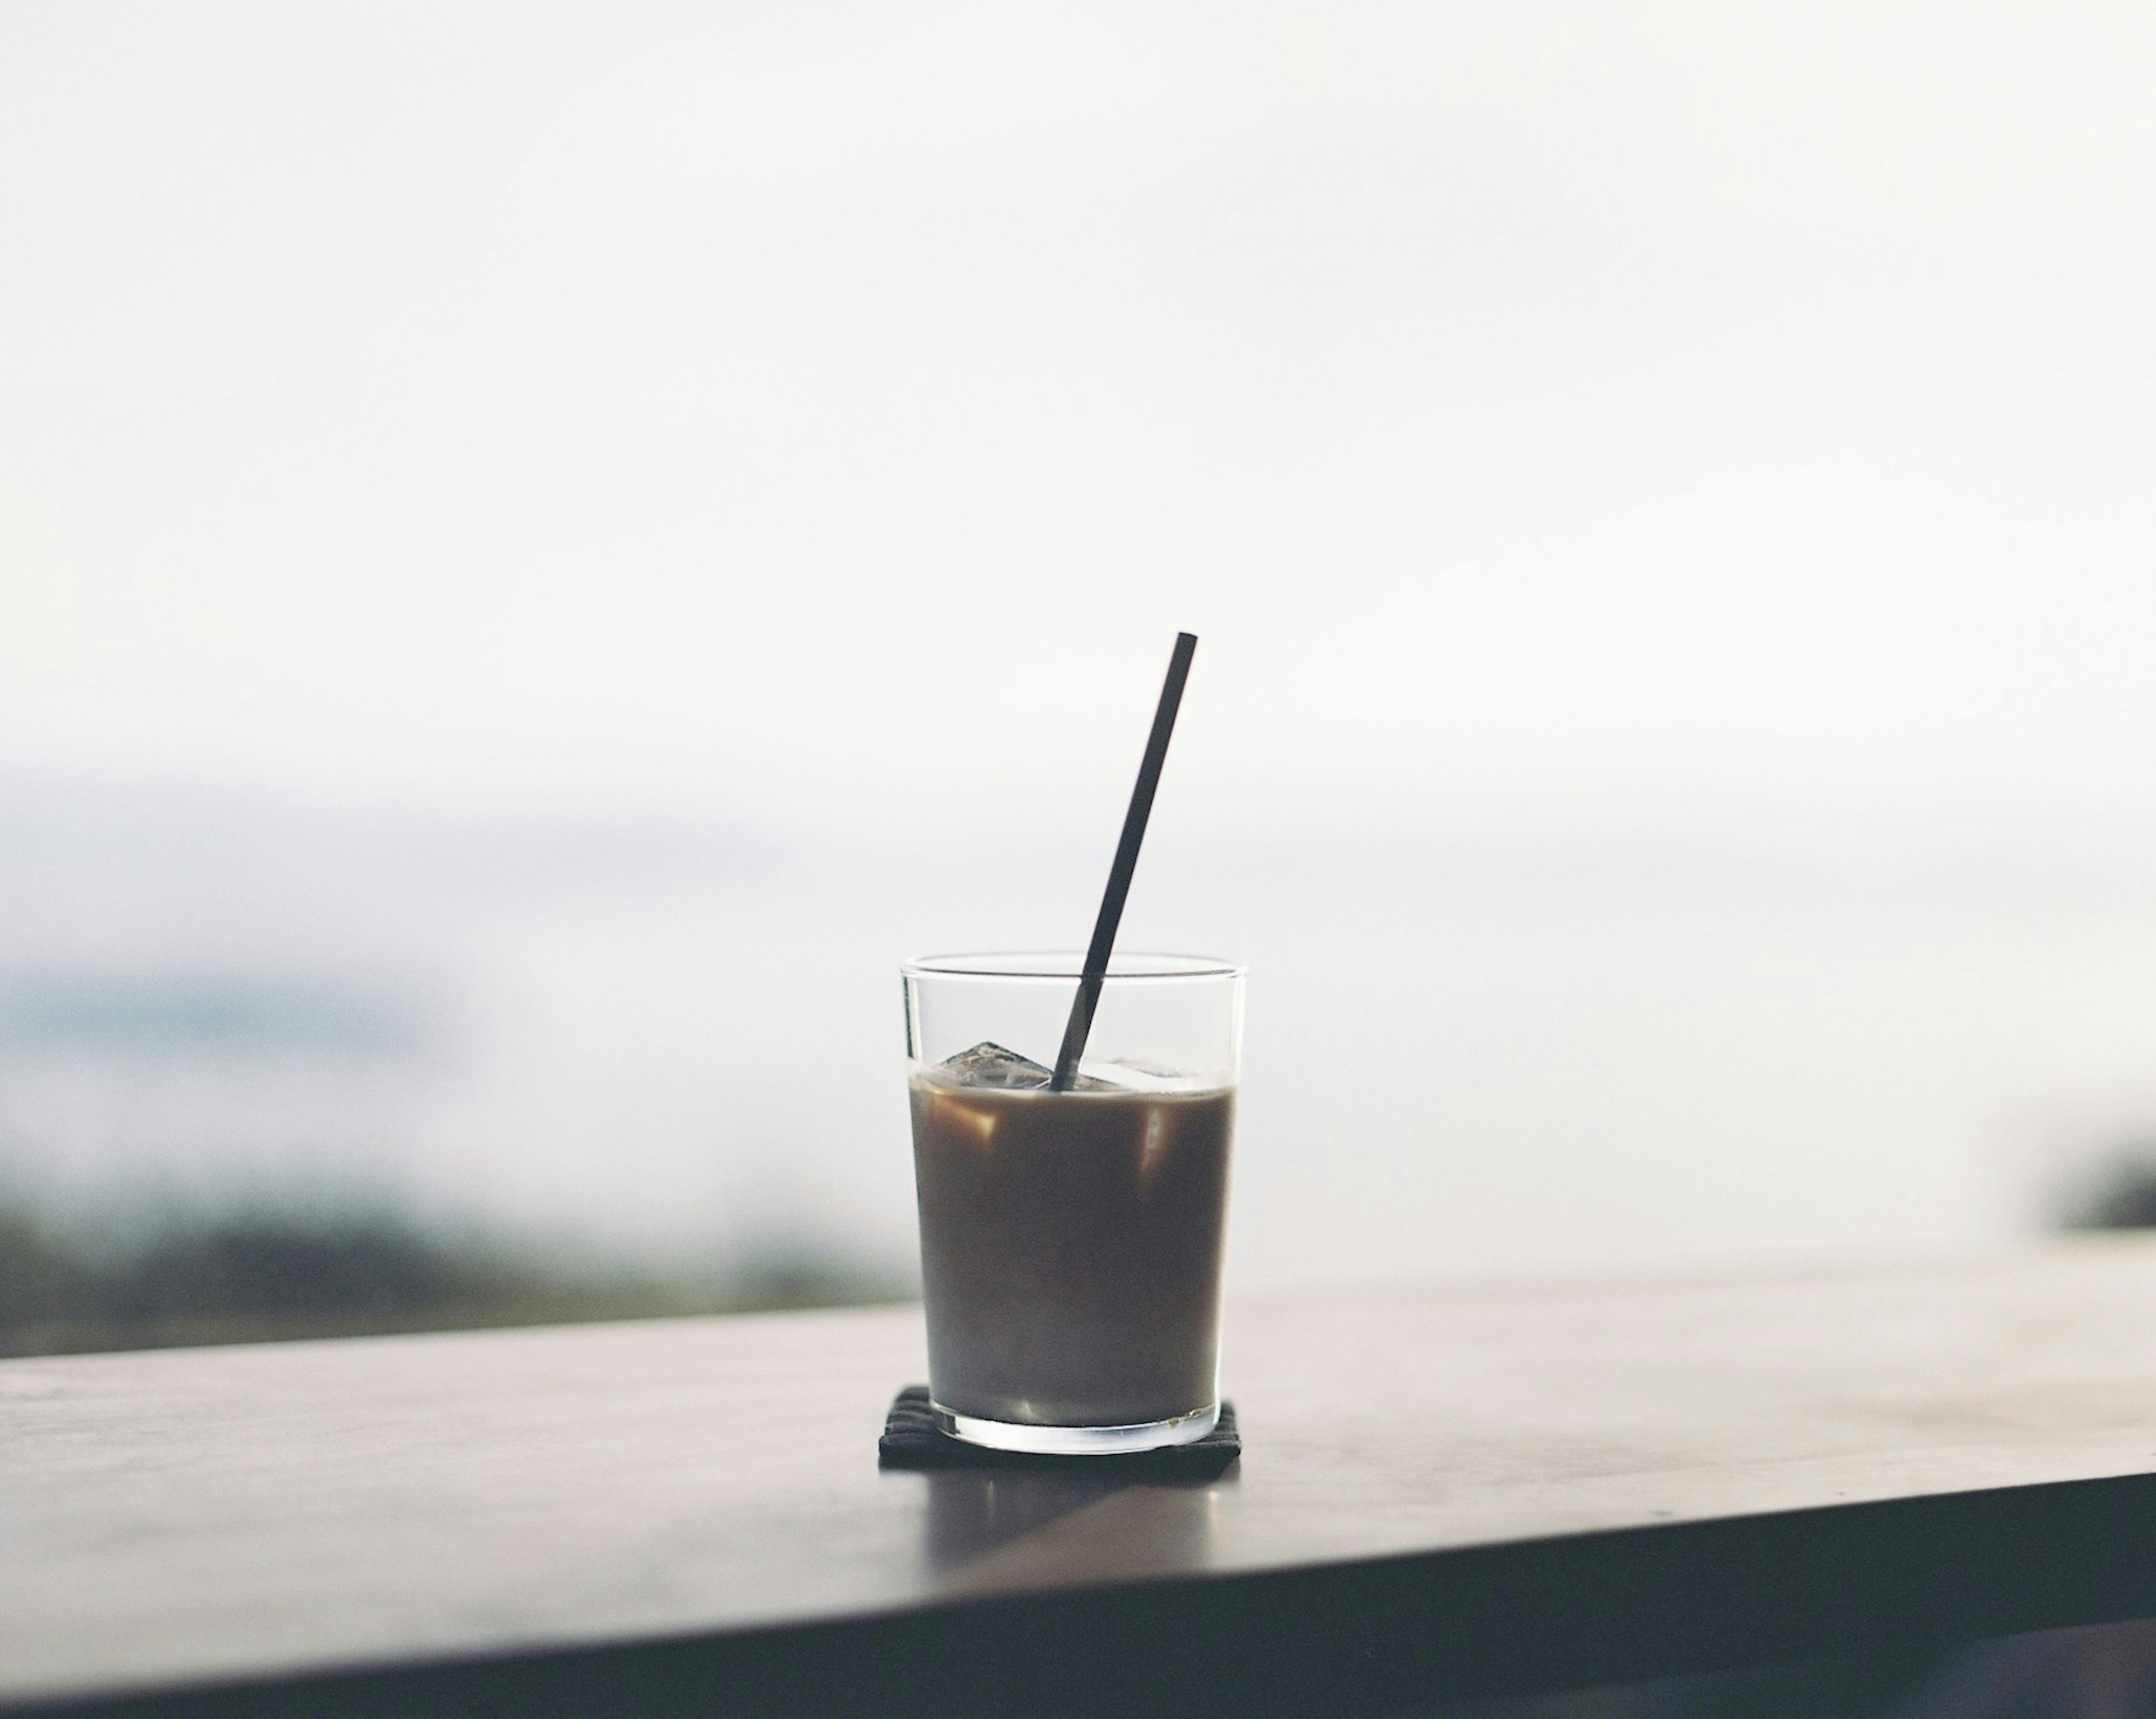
2115	1191
269	1273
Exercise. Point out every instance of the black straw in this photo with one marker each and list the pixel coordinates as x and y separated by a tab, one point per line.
1127	862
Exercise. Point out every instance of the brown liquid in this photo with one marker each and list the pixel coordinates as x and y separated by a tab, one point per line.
1071	1251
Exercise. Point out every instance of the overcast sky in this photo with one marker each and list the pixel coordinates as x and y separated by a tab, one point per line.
1616	408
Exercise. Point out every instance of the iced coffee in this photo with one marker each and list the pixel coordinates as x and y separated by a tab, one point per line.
1070	1243
1070	1240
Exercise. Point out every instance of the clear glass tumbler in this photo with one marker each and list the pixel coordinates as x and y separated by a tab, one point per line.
1070	1241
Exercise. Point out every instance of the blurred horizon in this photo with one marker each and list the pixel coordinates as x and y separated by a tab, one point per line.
678	1041
542	551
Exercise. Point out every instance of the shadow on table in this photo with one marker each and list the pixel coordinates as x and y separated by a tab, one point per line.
2100	1671
973	1513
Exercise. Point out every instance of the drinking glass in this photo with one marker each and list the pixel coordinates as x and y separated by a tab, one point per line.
1070	1241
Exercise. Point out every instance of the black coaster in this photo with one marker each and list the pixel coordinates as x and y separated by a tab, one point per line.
911	1439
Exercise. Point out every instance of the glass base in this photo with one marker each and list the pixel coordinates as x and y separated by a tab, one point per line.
1078	1441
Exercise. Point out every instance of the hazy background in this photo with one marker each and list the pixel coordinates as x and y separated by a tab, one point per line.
543	547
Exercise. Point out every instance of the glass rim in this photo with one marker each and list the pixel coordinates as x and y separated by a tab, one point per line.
1124	966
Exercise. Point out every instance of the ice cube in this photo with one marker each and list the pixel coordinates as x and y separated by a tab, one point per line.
1125	1075
989	1064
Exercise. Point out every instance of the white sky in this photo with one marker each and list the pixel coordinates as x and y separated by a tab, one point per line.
785	406
824	414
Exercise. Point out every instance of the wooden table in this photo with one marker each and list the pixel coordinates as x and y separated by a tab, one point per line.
1446	1491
